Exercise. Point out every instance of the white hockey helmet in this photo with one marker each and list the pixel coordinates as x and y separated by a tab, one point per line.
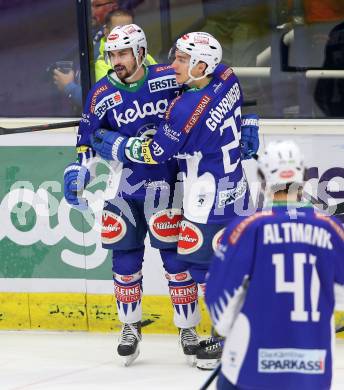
127	36
201	46
281	163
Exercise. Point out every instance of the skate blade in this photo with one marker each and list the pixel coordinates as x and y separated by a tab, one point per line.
207	364
191	360
128	360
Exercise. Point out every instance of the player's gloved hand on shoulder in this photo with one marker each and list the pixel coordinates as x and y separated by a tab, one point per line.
110	145
249	136
76	177
133	149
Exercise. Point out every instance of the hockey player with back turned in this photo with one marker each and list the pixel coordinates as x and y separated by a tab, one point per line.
131	101
204	129
270	289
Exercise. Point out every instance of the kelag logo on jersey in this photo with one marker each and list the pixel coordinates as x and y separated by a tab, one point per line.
133	113
107	102
161	83
304	361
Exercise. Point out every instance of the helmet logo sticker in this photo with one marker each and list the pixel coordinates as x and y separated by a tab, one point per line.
112	37
201	39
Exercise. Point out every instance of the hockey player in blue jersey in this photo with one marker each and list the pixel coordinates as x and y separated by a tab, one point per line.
270	288
203	128
131	101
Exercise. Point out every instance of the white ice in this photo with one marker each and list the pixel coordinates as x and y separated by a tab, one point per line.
87	361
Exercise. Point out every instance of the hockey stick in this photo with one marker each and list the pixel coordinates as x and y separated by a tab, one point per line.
339	330
212	376
29	129
248	103
61	125
217	370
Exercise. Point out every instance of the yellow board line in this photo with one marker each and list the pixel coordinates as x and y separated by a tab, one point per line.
92	312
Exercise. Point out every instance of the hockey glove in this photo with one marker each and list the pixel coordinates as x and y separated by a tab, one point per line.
76	177
110	145
133	149
249	136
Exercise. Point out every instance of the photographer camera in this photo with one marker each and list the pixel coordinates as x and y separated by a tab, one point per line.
67	81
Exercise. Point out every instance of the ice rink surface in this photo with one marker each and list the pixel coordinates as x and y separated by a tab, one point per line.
87	361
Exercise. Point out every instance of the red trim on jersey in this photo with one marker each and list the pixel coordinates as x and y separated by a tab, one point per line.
339	230
226	74
194	118
162	68
172	104
241	227
97	92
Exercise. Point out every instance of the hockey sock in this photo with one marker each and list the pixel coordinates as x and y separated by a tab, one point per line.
183	290
184	297
128	293
127	277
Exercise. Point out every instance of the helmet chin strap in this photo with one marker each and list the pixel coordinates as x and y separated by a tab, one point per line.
115	77
192	78
127	80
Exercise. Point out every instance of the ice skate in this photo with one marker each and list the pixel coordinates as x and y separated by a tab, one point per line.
209	353
189	341
210	340
128	346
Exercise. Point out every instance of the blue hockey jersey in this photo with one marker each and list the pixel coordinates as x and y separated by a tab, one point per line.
202	129
270	292
134	109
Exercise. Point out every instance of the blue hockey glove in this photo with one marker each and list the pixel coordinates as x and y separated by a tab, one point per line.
76	177
110	145
249	136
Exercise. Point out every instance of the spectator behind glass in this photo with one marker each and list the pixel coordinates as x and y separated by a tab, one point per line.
243	28
100	8
329	93
68	82
113	19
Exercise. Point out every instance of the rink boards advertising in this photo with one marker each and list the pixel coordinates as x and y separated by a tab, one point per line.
54	273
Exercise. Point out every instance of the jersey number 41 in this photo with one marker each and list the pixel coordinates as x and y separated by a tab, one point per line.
297	287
